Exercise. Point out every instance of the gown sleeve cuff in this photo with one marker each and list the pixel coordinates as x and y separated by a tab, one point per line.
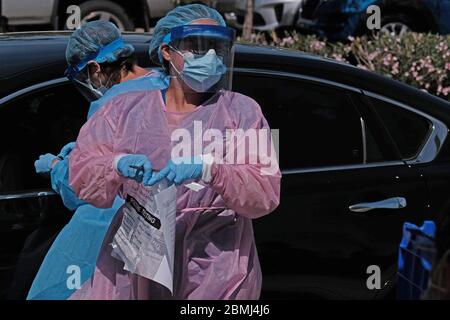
117	159
208	161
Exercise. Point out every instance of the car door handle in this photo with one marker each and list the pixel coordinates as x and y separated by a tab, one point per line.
27	194
391	203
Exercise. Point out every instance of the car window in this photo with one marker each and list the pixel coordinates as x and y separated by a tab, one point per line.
34	124
31	125
318	124
373	149
408	129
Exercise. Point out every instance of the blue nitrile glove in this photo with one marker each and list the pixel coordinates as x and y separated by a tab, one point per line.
135	166
44	163
178	170
66	150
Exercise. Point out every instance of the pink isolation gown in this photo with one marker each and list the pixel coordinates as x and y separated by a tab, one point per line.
215	252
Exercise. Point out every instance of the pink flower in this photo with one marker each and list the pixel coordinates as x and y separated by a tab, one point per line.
338	57
373	55
318	45
395	68
287	41
442	47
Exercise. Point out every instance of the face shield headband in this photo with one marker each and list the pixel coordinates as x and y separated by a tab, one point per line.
100	57
200	30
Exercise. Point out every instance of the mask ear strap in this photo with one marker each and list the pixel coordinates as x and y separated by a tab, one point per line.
107	81
99	79
90	85
175	68
101	82
171	63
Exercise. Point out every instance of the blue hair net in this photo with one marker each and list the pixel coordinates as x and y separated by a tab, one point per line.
180	16
90	38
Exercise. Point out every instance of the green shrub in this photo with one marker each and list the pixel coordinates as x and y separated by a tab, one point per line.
421	60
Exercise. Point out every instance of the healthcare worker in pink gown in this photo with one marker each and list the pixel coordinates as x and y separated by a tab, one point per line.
215	252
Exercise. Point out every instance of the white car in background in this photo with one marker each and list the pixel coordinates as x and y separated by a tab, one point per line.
128	15
268	14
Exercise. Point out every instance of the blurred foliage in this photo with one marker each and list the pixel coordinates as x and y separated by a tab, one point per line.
419	59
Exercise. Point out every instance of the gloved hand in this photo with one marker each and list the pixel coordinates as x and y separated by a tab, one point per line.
66	150
178	171
135	166
44	163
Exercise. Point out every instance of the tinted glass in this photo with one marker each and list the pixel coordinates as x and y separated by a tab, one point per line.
409	130
318	124
38	123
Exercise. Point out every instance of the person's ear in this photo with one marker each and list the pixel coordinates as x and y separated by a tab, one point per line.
94	68
165	52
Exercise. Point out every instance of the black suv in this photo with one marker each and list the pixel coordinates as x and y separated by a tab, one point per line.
360	155
340	19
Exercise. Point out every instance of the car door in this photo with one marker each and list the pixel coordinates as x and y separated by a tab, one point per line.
33	121
346	190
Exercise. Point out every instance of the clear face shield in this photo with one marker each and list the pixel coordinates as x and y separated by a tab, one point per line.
206	56
83	84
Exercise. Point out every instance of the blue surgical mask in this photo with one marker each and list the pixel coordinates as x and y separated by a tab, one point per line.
201	73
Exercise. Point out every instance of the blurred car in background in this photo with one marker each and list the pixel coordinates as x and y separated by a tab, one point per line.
268	14
339	19
127	15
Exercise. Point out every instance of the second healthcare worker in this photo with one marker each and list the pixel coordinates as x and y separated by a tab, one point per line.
102	66
215	252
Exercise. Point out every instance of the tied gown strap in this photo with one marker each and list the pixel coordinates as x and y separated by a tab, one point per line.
190	210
